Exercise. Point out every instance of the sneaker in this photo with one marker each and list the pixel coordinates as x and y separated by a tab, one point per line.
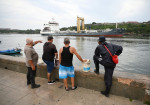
35	86
97	72
75	87
67	89
51	82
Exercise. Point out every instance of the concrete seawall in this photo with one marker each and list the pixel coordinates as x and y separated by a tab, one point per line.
134	87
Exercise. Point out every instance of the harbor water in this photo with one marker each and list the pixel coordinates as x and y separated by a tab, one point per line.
134	59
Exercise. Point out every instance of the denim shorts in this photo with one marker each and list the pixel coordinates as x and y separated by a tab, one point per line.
50	66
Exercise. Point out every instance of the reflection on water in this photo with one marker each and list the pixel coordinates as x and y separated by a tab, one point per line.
17	55
134	59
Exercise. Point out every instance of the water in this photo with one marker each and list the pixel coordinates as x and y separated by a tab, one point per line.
134	59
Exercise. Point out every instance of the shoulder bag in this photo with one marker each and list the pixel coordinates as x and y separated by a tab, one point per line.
114	57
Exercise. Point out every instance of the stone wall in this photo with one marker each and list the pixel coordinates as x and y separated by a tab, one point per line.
138	89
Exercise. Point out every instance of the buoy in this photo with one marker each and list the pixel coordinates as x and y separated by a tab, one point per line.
86	66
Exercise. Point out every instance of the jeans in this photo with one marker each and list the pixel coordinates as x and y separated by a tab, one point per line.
31	75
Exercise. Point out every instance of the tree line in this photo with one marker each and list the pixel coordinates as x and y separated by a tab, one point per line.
28	31
131	28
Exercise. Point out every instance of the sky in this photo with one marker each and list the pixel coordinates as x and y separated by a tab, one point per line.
32	14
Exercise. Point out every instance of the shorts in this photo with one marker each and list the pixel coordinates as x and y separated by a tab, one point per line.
65	72
50	66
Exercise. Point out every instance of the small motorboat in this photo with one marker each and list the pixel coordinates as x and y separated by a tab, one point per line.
10	51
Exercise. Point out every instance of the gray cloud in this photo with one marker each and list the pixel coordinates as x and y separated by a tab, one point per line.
30	14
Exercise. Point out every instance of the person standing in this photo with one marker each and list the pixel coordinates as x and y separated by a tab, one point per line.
103	57
31	61
66	68
49	52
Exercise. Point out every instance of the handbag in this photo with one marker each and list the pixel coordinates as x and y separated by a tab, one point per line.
114	57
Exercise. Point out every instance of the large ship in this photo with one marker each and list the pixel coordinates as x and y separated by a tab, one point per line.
52	28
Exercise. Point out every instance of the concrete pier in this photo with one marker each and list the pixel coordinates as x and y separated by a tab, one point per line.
134	86
14	91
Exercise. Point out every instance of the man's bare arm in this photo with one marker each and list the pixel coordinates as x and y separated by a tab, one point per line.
75	52
56	55
60	51
32	65
36	42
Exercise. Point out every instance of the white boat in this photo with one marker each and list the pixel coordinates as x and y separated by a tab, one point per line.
51	27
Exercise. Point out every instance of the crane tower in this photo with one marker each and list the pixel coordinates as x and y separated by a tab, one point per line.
78	24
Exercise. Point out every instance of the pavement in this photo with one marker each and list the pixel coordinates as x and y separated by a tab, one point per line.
14	91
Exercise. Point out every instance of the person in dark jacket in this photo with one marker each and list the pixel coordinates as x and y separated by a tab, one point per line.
103	57
49	52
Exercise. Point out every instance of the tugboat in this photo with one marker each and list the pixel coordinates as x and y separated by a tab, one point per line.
52	28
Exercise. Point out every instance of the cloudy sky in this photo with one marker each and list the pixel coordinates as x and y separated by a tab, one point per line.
32	14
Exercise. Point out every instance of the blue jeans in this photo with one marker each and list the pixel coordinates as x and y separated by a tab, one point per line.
50	66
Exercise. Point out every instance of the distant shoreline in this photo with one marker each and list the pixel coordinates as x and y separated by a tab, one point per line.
136	36
19	33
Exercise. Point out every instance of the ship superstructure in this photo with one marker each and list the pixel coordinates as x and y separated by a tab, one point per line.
51	27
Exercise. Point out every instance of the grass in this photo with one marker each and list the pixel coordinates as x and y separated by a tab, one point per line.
130	99
148	103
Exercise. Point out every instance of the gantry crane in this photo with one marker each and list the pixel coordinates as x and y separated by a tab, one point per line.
78	24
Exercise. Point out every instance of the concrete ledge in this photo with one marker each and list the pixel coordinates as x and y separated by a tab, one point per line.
137	89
